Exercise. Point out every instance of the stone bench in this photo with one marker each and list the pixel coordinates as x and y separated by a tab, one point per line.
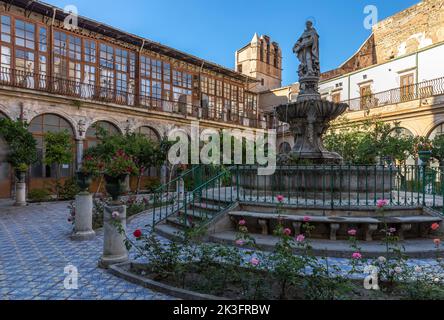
371	224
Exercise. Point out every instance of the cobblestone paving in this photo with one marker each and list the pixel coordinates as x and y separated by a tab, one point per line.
35	249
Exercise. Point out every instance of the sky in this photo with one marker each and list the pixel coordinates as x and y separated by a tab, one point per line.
215	29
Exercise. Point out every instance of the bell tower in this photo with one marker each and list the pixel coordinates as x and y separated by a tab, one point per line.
262	60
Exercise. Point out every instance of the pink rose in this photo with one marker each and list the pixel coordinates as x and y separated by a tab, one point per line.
382	203
300	238
280	198
307	219
242	222
357	256
437	242
255	262
392	230
287	232
352	232
240	242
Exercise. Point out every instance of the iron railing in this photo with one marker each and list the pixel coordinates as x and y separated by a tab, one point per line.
123	96
421	90
171	197
326	187
339	186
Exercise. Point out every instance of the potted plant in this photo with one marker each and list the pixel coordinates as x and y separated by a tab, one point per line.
20	172
424	149
91	168
116	172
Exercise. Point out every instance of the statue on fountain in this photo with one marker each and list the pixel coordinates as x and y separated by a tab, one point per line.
307	51
309	116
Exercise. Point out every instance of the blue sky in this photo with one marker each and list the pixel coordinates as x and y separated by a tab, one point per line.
215	29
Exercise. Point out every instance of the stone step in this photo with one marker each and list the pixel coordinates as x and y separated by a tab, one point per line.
169	232
205	206
196	216
418	249
340	220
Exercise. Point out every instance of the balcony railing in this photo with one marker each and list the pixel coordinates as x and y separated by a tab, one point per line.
92	92
421	90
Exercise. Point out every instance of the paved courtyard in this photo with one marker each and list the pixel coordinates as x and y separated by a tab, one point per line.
35	249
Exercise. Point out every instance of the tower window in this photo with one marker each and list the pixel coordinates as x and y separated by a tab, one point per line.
239	68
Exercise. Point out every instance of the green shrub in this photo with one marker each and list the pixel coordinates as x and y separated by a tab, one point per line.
68	190
152	185
39	195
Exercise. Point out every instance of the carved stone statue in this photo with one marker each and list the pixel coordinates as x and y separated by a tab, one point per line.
307	51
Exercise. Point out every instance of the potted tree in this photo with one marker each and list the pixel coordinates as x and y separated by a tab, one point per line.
424	148
116	172
58	151
91	168
21	153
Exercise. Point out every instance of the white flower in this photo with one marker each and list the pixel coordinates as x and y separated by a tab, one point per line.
382	260
115	215
418	269
437	280
398	270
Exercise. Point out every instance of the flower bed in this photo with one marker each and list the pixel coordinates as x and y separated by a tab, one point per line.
242	271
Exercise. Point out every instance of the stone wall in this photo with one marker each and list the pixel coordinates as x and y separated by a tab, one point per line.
406	32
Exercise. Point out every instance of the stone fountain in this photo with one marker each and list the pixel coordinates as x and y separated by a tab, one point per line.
309	116
310	167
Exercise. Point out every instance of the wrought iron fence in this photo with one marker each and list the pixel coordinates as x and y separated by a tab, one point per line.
421	90
123	96
307	186
344	186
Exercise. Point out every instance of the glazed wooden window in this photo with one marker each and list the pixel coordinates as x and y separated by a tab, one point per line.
212	86
39	126
92	138
204	84
68	60
145	92
5	61
407	87
156	69
219	91
43	39
25	34
182	85
5	29
90	48
366	97
336	97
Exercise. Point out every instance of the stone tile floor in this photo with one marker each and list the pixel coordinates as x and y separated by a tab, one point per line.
35	249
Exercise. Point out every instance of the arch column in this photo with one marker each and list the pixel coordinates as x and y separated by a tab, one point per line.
79	153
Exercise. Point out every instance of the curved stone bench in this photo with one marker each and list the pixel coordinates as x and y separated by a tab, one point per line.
371	224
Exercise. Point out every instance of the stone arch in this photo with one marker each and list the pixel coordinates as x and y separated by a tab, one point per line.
91	139
112	121
38	126
431	130
150	132
65	116
284	148
403	131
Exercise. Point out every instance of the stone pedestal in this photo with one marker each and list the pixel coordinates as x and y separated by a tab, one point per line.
20	194
114	249
180	187
83	230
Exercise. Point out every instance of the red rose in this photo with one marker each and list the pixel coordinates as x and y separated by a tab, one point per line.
137	233
435	226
